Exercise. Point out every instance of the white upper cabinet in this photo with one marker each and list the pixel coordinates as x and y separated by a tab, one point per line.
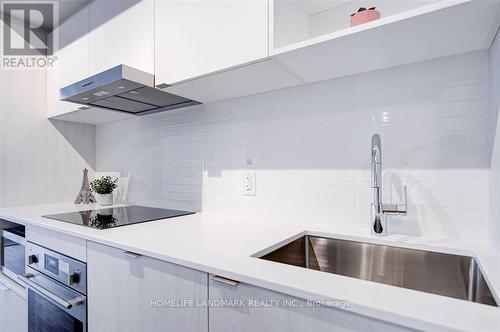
212	50
122	32
72	61
315	41
72	64
295	21
194	38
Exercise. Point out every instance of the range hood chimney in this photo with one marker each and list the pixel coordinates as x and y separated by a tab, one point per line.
123	89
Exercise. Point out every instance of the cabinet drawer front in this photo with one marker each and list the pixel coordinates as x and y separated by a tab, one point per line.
143	294
246	308
13	311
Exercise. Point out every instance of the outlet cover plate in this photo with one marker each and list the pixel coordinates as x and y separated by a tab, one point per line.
249	183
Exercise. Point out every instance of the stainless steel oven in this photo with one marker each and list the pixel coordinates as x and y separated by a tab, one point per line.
57	291
12	244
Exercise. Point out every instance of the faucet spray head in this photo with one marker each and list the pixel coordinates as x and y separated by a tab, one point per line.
376	162
376	149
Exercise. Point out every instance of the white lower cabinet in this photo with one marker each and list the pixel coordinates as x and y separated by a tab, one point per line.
246	308
13	311
132	293
128	292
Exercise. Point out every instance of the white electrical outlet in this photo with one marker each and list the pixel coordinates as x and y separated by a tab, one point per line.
249	183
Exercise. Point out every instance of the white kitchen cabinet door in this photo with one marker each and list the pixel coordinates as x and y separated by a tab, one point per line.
122	32
263	310
127	293
194	38
72	61
72	64
13	311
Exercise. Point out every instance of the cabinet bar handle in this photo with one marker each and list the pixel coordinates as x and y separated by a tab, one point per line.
225	281
131	254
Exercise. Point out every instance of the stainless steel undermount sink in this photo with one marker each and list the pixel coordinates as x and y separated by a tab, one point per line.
432	272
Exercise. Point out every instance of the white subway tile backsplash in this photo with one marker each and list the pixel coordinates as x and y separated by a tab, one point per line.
310	149
465	92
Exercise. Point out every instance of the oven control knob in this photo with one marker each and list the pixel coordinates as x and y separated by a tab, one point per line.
32	259
74	278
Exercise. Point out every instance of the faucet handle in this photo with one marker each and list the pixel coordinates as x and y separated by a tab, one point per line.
403	207
398	209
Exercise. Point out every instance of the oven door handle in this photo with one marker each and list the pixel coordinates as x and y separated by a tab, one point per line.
68	304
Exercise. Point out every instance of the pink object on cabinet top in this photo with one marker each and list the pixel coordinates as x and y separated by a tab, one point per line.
364	16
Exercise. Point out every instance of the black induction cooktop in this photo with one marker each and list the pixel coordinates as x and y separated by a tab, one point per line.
117	216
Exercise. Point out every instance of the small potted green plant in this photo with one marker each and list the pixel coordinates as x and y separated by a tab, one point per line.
104	188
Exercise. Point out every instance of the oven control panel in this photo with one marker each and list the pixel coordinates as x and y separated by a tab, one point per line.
62	268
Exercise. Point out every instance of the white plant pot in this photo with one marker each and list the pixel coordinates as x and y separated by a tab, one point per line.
106	199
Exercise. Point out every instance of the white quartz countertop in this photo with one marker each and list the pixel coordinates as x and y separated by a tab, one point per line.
224	246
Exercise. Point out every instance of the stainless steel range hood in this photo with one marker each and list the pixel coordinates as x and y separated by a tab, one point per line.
124	89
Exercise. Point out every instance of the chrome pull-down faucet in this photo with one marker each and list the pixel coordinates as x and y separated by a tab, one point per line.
378	219
379	210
